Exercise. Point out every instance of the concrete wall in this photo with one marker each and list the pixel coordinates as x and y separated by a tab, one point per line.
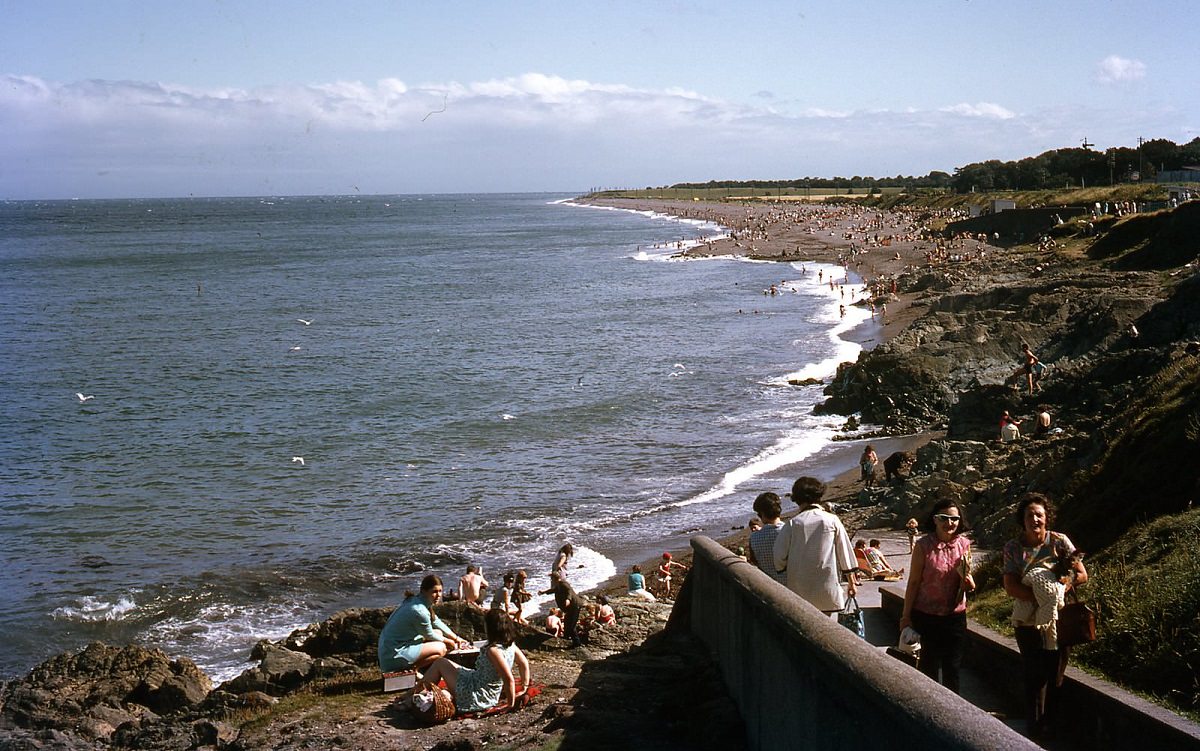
802	681
1099	714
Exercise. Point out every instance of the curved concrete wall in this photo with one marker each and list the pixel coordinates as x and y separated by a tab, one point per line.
802	681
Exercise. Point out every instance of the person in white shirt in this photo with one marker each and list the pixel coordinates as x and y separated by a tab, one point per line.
814	550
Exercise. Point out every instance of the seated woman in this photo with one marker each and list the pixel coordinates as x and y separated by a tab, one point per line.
637	584
860	556
414	636
490	683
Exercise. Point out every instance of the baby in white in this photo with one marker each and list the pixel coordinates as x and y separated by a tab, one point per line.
1048	593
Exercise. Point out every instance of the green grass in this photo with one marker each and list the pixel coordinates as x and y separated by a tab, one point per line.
1145	590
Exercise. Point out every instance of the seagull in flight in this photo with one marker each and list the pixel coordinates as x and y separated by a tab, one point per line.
294	349
83	398
299	460
306	323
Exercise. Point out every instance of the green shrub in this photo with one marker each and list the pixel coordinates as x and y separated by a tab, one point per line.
1146	593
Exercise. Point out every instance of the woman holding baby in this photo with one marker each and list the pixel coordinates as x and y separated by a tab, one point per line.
1043	659
935	600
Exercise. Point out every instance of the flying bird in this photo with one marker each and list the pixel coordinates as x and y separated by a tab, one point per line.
83	398
306	323
298	459
294	349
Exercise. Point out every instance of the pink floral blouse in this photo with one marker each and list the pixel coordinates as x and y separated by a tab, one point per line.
939	592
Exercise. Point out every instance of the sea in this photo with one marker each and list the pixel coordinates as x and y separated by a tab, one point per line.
226	418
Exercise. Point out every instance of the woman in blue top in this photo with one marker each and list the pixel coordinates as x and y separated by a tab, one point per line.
414	636
491	681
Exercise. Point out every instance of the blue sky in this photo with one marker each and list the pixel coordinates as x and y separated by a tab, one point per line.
223	97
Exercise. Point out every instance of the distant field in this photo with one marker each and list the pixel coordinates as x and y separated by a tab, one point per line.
717	194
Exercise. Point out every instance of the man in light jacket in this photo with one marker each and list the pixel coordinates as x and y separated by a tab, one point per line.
814	551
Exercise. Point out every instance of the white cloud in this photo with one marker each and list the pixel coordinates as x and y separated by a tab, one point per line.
529	132
980	109
1115	69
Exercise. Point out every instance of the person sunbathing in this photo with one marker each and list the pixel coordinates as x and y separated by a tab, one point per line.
881	570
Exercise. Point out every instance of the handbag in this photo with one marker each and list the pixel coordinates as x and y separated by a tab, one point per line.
852	618
1076	623
908	648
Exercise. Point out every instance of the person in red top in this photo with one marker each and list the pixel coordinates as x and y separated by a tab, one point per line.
935	600
664	573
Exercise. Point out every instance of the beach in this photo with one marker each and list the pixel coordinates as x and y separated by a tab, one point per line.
886	245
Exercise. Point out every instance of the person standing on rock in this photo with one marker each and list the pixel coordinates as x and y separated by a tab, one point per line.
814	550
867	463
1031	362
569	603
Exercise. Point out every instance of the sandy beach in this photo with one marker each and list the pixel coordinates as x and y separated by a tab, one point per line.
874	246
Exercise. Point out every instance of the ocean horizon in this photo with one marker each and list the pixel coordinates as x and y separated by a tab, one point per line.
231	417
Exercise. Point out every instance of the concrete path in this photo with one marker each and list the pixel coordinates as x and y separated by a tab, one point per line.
882	632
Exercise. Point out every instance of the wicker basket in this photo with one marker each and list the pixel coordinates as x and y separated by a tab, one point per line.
433	705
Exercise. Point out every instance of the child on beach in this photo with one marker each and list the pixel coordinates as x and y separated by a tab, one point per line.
664	574
554	623
520	596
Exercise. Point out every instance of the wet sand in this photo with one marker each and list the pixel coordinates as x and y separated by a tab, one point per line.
885	245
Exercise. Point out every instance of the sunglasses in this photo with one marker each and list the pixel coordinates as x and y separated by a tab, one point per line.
947	518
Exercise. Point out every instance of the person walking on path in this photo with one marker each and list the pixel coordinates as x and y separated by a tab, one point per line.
815	551
935	599
762	541
1044	664
471	586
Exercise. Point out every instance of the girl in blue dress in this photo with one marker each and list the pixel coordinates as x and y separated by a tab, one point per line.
491	682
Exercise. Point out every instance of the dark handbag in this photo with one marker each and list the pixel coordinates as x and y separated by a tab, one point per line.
1076	623
912	659
852	618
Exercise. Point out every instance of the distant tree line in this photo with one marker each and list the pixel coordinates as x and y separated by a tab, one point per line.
1074	167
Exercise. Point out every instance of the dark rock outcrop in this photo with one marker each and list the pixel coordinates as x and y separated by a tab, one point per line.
101	688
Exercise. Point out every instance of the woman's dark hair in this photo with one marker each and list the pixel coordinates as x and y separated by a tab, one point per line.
499	627
568	549
1030	499
602	600
768	506
427	584
509	578
939	507
807	490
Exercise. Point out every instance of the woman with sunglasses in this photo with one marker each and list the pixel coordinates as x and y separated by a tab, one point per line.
935	600
414	637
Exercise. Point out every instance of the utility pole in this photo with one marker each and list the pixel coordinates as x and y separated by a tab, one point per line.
1140	142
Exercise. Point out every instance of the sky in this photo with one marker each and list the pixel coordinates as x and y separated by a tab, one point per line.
248	98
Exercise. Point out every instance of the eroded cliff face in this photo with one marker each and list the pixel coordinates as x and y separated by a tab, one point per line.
1120	343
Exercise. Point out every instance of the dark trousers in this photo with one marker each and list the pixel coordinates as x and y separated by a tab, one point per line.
1044	670
571	621
942	641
